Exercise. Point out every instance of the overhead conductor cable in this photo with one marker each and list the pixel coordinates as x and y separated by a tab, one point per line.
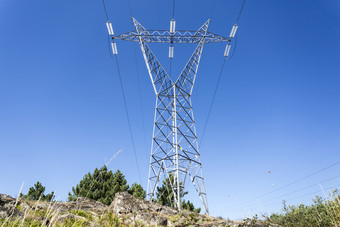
115	52
226	54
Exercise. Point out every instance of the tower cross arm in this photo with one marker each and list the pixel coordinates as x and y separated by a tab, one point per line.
164	36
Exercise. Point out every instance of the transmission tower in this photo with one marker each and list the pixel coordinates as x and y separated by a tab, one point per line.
175	151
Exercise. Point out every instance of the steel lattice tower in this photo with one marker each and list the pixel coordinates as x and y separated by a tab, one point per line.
175	150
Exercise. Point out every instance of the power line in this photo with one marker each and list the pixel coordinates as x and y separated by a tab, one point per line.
298	190
128	118
285	161
304	188
140	98
107	17
232	55
300	179
138	83
297	197
220	75
130	10
294	182
213	10
212	101
239	14
313	143
125	103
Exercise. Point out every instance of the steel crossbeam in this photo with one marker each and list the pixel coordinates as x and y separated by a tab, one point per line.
164	36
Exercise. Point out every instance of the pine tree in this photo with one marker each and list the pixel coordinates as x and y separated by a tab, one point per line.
137	191
165	195
101	185
190	206
37	193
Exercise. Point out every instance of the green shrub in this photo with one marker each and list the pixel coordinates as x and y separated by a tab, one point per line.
322	212
86	214
137	191
101	185
165	195
37	193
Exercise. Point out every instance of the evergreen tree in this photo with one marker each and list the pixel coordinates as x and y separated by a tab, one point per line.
165	195
190	206
137	191
37	192
101	185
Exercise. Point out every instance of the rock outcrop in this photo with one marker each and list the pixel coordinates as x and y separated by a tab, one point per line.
126	205
125	210
8	207
148	213
82	204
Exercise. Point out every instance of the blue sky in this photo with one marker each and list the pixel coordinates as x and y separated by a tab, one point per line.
277	108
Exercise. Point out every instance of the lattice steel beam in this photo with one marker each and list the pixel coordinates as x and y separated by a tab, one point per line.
164	36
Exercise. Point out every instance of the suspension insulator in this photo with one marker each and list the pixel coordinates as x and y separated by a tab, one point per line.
114	48
227	50
109	28
172	26
171	52
233	31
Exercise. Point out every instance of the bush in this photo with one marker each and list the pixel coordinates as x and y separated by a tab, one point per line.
102	185
165	195
137	191
37	193
322	212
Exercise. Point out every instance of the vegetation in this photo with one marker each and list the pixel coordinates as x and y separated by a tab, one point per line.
165	195
137	191
103	184
37	193
80	219
322	212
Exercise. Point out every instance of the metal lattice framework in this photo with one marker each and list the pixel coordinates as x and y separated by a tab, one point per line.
175	150
164	36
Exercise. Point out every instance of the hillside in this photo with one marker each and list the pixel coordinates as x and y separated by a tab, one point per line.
125	210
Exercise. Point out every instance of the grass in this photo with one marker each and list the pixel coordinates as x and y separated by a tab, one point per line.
323	212
38	213
34	215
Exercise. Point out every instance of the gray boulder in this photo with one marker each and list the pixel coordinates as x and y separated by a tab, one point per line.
8	207
136	210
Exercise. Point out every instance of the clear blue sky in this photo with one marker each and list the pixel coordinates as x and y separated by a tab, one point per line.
277	109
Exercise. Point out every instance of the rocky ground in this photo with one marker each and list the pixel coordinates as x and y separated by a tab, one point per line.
125	210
